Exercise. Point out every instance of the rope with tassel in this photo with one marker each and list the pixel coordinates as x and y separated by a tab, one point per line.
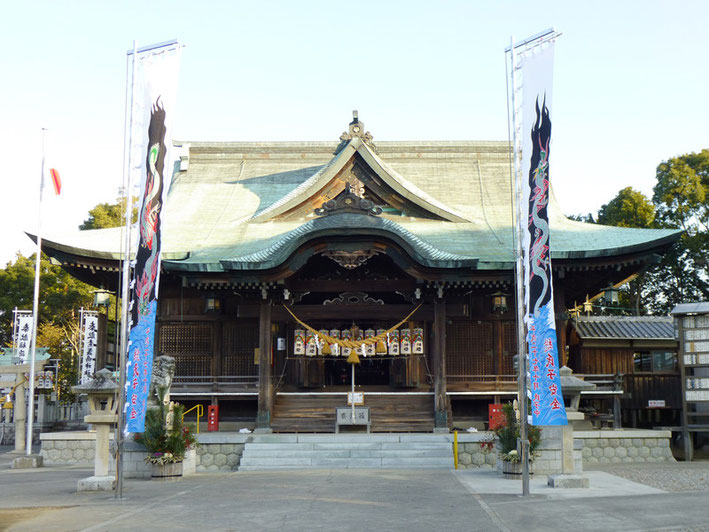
352	344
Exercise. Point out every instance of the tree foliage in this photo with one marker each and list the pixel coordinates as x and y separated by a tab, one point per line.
60	298
105	215
630	208
680	201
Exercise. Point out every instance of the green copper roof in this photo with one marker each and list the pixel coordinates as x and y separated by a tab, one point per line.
232	207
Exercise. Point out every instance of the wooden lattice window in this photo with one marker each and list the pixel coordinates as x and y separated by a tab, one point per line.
509	347
469	348
186	339
239	342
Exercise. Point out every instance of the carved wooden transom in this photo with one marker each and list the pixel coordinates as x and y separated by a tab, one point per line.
348	201
350	259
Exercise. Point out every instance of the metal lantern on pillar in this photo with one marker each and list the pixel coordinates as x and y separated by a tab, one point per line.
499	302
610	295
212	305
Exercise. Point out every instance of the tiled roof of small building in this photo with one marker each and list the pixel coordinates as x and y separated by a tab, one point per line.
625	327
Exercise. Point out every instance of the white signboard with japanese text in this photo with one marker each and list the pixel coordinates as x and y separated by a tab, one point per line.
89	348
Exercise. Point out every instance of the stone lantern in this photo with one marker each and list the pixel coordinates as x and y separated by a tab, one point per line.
571	476
101	391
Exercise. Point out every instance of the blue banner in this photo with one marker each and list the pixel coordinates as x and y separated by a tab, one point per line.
139	369
545	387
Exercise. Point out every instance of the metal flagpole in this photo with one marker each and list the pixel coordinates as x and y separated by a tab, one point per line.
35	305
127	186
519	281
353	392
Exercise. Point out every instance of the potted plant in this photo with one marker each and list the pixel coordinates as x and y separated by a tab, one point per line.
166	440
507	435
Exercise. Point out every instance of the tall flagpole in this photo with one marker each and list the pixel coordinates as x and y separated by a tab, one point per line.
127	186
519	281
35	306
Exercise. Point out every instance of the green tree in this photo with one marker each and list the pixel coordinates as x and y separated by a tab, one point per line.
630	208
681	198
60	295
105	215
586	218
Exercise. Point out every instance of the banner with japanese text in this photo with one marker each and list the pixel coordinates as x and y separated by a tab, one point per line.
23	336
547	404
151	143
89	346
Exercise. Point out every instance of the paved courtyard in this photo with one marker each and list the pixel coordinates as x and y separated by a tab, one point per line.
654	497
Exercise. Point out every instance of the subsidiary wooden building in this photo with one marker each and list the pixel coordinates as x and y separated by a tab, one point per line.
351	237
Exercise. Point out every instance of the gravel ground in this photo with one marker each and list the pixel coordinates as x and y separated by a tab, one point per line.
673	477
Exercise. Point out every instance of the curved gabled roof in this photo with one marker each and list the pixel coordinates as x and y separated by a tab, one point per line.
250	205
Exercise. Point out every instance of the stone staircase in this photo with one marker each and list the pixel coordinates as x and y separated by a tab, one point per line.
389	412
348	451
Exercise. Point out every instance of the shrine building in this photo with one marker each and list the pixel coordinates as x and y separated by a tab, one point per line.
350	237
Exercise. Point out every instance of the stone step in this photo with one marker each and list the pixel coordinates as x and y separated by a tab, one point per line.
343	463
324	446
394	453
423	451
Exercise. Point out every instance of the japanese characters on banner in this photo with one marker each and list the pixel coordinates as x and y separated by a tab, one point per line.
23	336
544	383
151	141
89	346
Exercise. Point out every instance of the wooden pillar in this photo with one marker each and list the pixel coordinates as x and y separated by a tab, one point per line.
439	364
265	381
217	338
560	321
498	339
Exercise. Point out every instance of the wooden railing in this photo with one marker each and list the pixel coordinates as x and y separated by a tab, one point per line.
206	384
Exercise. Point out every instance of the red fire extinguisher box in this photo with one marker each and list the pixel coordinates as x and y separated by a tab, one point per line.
496	418
212	418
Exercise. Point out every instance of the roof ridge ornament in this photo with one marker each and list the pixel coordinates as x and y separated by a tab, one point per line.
348	201
356	129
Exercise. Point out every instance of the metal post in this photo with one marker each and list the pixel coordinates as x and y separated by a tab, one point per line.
127	190
519	281
35	305
353	392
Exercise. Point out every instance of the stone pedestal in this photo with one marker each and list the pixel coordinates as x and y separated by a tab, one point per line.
96	483
31	461
567	481
102	402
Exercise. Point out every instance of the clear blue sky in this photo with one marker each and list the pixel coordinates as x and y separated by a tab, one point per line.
630	86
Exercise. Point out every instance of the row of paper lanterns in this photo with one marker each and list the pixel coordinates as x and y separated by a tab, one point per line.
409	342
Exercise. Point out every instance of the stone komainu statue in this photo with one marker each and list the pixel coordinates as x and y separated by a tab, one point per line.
163	371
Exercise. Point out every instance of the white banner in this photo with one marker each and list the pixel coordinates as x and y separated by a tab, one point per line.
152	165
90	347
547	404
23	337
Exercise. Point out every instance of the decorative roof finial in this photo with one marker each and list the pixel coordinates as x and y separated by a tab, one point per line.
356	129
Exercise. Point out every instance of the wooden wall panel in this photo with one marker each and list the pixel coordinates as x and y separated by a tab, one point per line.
239	342
469	348
509	347
192	345
606	360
